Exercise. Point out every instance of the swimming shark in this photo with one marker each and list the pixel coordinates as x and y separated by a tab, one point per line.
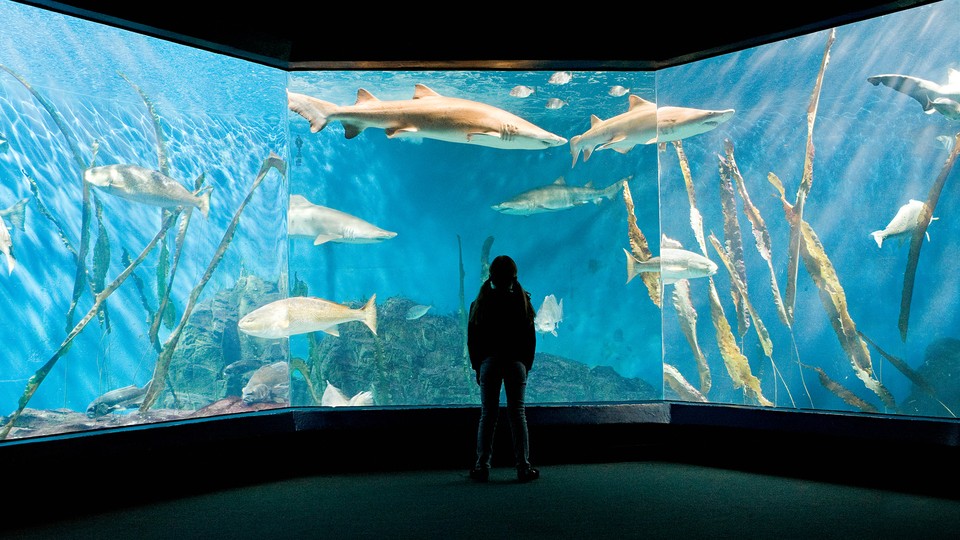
428	115
557	196
322	224
305	314
644	123
673	264
16	215
146	186
933	97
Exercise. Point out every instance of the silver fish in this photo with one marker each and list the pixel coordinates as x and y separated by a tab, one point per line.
902	224
560	77
305	314
555	103
268	384
522	91
617	90
322	224
17	216
121	398
557	196
427	116
549	315
416	312
334	397
933	97
644	123
673	265
146	186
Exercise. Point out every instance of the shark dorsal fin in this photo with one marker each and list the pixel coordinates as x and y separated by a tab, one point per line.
559	181
637	101
298	201
589	184
363	95
422	90
594	120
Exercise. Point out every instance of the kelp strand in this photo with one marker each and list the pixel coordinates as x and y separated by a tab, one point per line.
918	380
696	221
916	241
733	246
681	386
163	359
838	390
687	315
640	248
806	183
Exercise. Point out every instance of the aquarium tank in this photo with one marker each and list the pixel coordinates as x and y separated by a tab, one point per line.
186	234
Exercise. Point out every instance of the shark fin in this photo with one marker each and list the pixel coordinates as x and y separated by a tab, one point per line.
594	120
622	150
364	95
397	132
350	130
333	331
613	141
559	181
323	239
422	90
637	101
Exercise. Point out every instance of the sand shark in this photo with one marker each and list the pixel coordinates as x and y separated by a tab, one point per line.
146	186
673	264
557	196
428	115
933	97
322	224
644	123
305	314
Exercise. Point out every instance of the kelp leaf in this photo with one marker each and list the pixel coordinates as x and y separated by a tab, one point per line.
916	241
681	386
141	287
696	222
909	373
101	262
640	249
759	227
737	365
846	395
687	315
733	240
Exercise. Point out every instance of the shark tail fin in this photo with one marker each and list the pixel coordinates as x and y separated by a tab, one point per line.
575	149
17	214
370	314
631	265
312	109
204	202
878	236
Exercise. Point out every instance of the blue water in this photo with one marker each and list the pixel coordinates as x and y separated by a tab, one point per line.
875	149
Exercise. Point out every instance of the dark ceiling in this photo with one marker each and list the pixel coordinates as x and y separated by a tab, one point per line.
411	35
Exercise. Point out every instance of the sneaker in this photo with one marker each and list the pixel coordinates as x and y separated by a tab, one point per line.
480	474
527	475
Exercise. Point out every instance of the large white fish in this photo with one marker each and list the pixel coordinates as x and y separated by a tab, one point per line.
427	116
322	224
557	196
933	97
549	315
305	314
268	384
673	264
16	214
902	224
644	123
146	186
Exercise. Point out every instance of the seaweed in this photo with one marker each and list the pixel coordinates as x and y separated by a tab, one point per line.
166	354
838	390
806	183
640	249
909	373
688	325
681	386
916	241
141	288
485	259
733	249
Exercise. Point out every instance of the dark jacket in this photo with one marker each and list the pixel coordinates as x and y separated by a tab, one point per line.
501	325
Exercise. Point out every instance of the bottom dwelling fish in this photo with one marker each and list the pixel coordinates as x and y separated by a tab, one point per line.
268	384
305	314
673	264
902	224
549	315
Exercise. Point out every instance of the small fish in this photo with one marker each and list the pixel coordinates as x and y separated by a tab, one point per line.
269	384
617	90
555	103
560	77
549	315
521	91
673	264
114	400
334	397
305	314
322	225
146	186
417	311
902	224
16	214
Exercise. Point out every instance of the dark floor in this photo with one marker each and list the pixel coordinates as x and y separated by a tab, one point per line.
648	499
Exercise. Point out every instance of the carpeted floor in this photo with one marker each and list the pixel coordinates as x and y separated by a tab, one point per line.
648	500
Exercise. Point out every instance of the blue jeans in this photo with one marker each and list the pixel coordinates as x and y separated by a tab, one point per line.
512	375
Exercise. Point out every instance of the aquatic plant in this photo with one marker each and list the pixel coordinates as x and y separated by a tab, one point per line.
640	249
